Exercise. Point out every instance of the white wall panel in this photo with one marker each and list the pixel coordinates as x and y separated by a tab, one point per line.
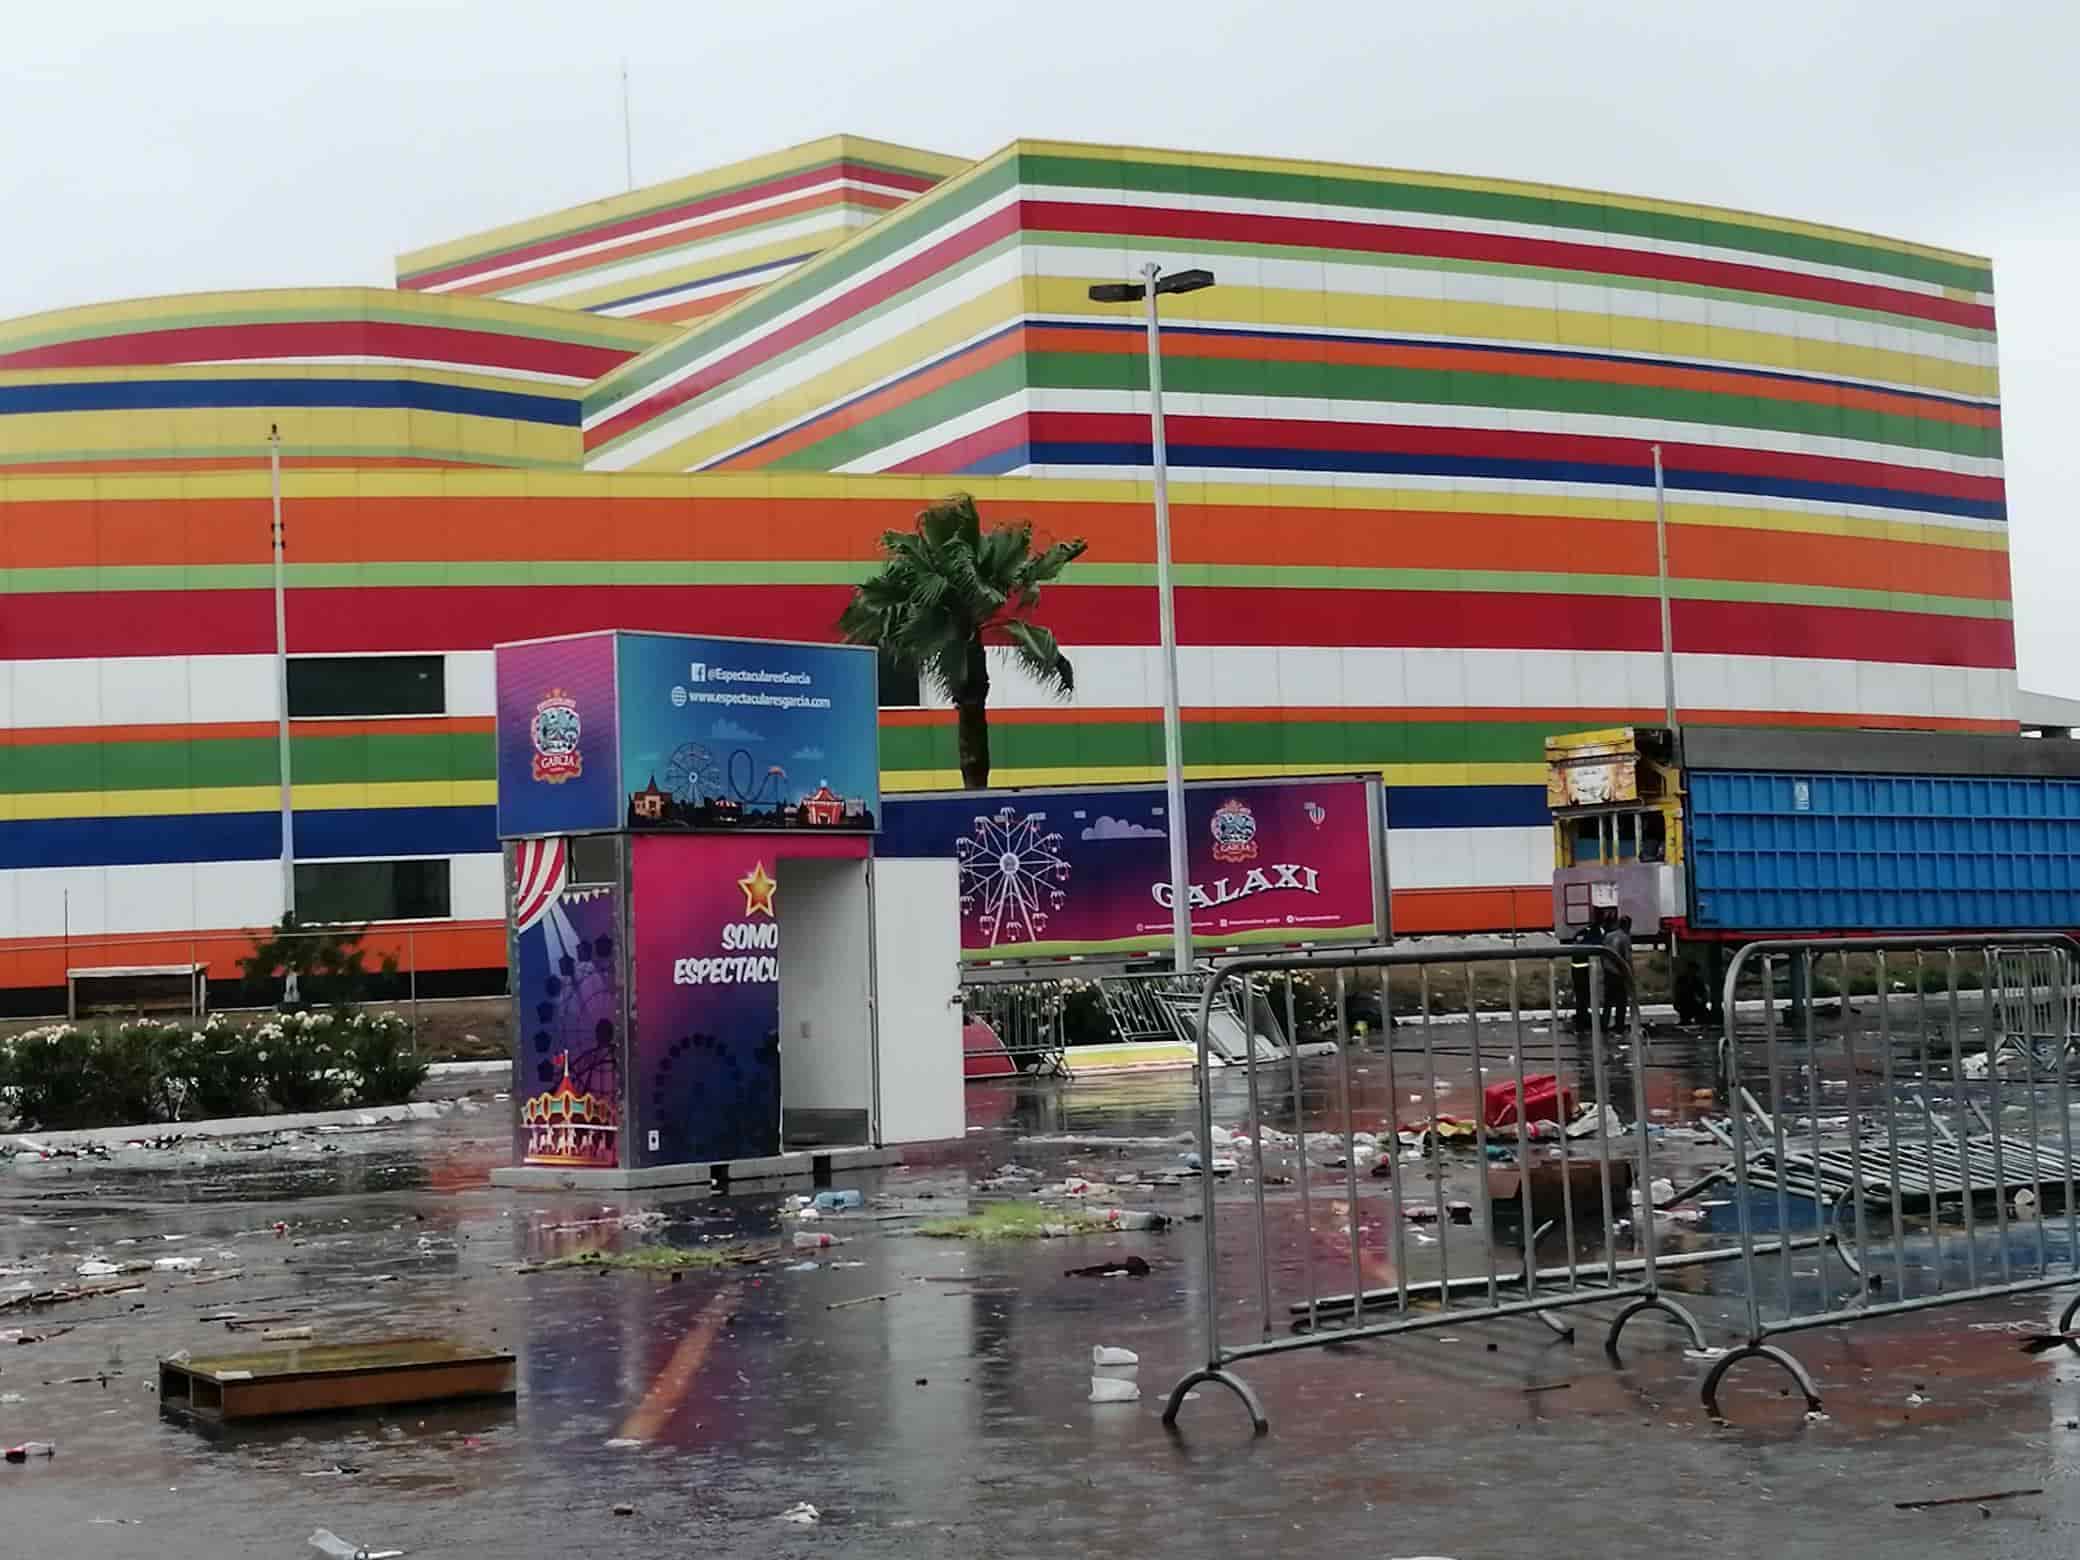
57	693
150	897
476	887
231	687
144	690
471	683
236	893
45	896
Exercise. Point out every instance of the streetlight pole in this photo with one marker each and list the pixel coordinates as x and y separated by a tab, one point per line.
1668	642
1153	284
281	690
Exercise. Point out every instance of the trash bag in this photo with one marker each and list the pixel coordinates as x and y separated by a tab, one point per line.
1544	1100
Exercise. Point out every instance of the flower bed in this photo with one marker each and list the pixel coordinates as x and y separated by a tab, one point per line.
104	1075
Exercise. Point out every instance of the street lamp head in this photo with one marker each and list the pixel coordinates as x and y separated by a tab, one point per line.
1118	292
1184	281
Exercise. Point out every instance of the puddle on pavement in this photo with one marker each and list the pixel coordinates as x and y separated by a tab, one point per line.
935	1393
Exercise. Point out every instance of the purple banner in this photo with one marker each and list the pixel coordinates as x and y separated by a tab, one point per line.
707	916
1052	873
567	1052
557	744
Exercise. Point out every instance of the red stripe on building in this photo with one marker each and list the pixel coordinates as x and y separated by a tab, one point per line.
347	620
920	267
325	338
419	281
1159	222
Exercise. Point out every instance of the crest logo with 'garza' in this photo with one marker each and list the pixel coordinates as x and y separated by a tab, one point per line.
556	730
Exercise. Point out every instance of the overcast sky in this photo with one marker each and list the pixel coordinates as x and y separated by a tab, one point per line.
167	147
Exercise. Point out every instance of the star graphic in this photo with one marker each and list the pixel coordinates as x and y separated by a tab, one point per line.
758	890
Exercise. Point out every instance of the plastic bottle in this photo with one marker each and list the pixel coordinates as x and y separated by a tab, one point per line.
29	1449
831	1202
1133	1218
812	1240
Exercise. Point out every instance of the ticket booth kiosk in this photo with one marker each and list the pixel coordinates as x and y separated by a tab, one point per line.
714	977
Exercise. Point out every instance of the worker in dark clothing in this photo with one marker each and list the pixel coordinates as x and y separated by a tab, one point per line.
1590	936
1617	985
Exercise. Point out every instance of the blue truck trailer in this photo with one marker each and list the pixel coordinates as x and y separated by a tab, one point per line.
1713	836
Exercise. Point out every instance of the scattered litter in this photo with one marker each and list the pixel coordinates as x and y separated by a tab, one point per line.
1584	1125
1102	1355
648	1220
12	1397
801	1267
1549	1386
623	1443
802	1515
1704	1354
1221	1164
1420	1213
96	1267
1915	1400
1961	1500
834	1202
624	1509
1131	1267
2043	1341
29	1449
336	1471
1134	1219
287	1334
325	1541
1111	1389
177	1264
839	1305
811	1240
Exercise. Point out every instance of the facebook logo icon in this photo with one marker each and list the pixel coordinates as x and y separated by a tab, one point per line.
697	672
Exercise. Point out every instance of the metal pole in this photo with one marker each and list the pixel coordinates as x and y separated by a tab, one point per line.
628	135
1166	616
1668	643
281	691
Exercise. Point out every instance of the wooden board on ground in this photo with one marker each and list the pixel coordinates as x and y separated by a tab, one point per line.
329	1378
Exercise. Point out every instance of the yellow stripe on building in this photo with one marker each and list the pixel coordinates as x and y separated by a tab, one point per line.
174	801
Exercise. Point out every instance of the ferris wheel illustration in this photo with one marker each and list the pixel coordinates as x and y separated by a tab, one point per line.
692	776
1012	875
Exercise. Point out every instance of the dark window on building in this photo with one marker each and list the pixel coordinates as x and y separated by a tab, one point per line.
898	684
361	891
593	859
367	685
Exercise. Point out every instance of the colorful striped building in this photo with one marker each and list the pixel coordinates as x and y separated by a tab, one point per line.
1409	430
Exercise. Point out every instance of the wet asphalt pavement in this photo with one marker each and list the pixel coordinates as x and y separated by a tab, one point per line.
950	1418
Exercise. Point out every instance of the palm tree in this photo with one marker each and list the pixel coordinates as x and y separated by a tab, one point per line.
947	588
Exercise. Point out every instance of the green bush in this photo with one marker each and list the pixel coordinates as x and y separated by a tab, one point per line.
214	1073
387	1070
297	1058
65	1076
49	1075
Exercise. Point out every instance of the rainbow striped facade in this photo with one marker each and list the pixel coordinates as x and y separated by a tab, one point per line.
686	249
1413	508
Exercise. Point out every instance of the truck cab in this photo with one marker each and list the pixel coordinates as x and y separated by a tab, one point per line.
1616	798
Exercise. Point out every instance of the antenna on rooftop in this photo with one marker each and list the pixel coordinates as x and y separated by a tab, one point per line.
628	145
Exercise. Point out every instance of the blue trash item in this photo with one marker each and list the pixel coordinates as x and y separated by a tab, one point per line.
834	1202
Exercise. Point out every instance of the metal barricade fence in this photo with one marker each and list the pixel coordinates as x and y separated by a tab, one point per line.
1571	1189
1025	1015
1906	1131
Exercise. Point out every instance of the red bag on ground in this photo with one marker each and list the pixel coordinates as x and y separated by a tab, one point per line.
1544	1100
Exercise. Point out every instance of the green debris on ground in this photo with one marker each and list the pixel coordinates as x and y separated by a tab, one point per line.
657	1259
1013	1221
